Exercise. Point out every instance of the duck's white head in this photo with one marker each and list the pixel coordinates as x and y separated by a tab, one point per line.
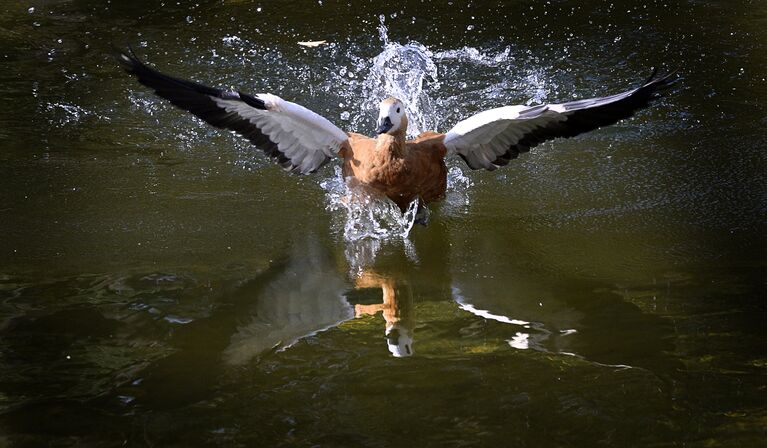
399	340
391	116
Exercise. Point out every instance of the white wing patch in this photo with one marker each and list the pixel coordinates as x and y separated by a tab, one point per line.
301	135
297	138
492	138
485	137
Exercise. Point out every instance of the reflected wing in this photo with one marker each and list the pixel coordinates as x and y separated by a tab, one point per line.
299	139
306	298
492	138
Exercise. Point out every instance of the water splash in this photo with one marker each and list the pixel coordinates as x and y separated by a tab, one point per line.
368	214
473	55
61	114
405	72
537	88
457	197
410	72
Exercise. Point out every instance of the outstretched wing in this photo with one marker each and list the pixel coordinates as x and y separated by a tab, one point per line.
297	138
492	138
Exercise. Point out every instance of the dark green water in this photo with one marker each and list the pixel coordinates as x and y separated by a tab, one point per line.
162	284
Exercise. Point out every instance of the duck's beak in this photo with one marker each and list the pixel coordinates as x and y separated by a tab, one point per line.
384	125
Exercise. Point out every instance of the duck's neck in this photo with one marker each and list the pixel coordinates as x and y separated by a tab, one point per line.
391	144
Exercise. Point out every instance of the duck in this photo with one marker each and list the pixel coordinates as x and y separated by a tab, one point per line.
403	170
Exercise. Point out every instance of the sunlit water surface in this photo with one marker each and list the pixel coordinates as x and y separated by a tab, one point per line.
163	284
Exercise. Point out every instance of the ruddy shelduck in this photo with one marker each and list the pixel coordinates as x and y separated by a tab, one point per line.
302	141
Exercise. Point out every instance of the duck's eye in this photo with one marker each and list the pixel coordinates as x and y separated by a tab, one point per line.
398	110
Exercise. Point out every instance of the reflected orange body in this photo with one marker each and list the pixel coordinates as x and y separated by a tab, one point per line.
402	170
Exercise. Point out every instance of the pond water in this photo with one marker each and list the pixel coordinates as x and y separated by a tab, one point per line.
163	284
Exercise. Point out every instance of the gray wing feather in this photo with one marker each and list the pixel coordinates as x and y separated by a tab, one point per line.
298	139
493	138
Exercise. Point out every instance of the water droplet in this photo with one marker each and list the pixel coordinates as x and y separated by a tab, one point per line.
31	10
177	319
470	27
232	40
125	399
189	19
345	115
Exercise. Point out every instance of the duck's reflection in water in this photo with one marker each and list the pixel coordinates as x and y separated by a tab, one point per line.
317	287
308	295
304	298
397	310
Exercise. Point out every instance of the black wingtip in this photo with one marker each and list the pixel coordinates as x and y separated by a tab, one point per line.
132	53
672	77
155	79
252	101
128	59
662	81
652	76
159	81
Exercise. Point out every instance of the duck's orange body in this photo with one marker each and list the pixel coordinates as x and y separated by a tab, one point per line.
402	170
